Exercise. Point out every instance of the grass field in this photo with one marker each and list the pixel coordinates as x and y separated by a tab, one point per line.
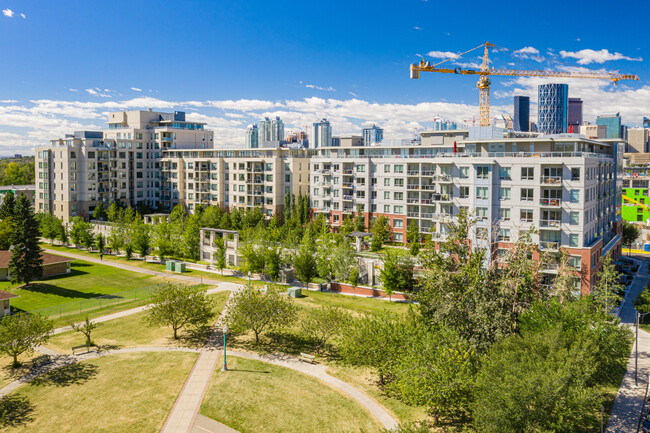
85	281
132	331
8	374
366	381
256	397
119	393
351	303
154	266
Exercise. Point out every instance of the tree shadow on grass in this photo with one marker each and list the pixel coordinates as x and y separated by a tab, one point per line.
15	411
50	289
195	336
77	373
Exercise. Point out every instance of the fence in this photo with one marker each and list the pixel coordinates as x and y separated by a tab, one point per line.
95	303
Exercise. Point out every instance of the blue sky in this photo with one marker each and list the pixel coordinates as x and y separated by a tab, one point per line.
65	64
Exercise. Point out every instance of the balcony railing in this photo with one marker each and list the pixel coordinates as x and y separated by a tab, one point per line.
413	186
550	202
347	197
551	223
549	245
552	180
413	172
413	214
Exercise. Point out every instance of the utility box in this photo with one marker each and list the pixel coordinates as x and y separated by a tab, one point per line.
169	265
295	292
179	267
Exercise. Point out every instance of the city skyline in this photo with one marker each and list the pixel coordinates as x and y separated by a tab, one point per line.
232	76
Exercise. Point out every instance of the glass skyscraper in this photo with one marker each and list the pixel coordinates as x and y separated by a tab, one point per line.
552	115
521	120
613	124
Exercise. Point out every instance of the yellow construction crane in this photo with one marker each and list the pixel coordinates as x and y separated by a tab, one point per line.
484	80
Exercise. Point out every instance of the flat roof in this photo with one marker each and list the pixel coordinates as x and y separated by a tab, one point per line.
219	230
17	187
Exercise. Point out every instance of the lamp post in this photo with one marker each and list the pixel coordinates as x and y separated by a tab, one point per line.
636	349
225	365
249	279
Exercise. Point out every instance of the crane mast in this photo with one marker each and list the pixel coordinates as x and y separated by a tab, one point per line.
484	73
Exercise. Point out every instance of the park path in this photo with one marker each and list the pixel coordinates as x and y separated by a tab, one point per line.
624	416
141	270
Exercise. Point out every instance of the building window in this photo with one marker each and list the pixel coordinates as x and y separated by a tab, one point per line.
527	173
399	210
399	182
504	193
398	223
504	235
398	169
398	196
464	172
574	196
527	194
386	168
504	213
398	237
464	191
481	193
387	181
574	218
573	240
575	262
526	216
482	172
575	174
386	208
505	173
481	212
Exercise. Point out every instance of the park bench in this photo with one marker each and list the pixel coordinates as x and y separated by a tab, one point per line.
83	346
307	358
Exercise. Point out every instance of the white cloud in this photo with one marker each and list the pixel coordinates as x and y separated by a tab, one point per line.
441	54
326	89
8	13
23	16
136	89
527	50
588	56
98	92
417	28
8	101
578	39
73	90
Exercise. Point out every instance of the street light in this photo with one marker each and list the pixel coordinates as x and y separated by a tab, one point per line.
225	365
249	279
636	349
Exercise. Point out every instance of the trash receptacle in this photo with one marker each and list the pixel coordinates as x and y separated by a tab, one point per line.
646	247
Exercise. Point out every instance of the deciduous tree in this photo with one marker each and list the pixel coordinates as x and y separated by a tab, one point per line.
322	323
21	333
177	305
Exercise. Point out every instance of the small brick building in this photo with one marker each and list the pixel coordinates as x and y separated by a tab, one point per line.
5	307
52	264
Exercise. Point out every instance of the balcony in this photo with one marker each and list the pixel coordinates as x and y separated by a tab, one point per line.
413	214
413	173
348	210
413	186
428	187
552	180
427	173
550	202
412	200
347	197
549	245
556	224
348	171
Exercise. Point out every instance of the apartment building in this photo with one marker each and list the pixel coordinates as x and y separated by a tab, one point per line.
241	178
121	163
566	186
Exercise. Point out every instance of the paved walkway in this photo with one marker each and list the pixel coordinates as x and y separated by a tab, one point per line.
183	414
203	424
624	416
134	268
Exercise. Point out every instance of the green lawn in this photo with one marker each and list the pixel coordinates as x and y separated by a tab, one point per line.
132	331
365	380
154	266
86	280
351	303
118	393
256	397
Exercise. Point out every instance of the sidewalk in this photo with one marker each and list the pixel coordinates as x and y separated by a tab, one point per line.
624	416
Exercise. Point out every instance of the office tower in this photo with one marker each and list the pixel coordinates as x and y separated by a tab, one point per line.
638	140
321	134
252	136
521	113
646	122
271	130
574	116
552	108
373	135
613	124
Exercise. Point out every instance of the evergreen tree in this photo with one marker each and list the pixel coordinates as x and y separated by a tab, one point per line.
608	288
113	212
7	206
221	252
287	207
26	263
100	243
630	234
380	233
359	221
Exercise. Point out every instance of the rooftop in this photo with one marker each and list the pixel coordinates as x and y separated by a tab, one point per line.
48	259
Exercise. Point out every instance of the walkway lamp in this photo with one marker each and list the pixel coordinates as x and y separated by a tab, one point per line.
225	365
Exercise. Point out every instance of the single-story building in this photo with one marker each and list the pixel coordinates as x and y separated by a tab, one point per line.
5	308
52	264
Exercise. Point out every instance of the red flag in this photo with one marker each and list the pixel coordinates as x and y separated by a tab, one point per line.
454	147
